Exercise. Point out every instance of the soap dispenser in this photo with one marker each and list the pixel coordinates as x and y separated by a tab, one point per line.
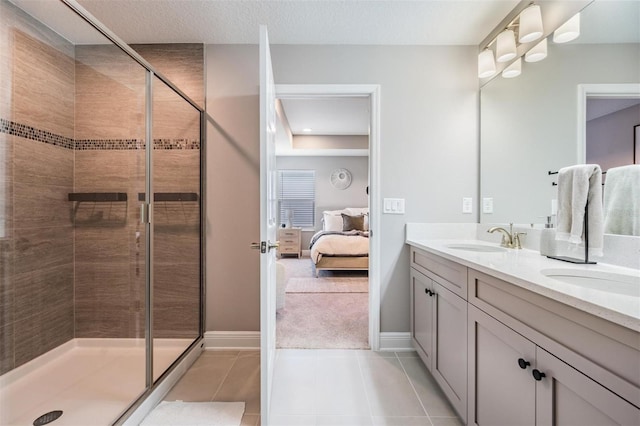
548	239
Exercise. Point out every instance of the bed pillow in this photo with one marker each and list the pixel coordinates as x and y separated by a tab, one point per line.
352	223
355	211
331	222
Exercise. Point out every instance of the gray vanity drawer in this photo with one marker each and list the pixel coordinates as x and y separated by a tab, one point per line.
454	274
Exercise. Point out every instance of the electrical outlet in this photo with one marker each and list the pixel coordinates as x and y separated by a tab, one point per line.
487	205
467	205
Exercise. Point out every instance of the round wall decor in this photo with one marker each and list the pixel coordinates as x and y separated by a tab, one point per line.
341	178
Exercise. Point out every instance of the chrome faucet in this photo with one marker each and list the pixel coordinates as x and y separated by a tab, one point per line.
510	239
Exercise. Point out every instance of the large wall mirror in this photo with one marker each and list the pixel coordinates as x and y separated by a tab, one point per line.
541	121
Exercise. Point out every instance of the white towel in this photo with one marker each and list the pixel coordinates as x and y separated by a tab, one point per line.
576	186
622	201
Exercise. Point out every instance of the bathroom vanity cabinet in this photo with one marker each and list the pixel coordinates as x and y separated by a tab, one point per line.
439	323
528	359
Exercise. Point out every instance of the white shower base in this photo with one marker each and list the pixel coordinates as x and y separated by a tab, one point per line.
91	380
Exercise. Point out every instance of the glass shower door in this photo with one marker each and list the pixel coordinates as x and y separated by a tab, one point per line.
176	225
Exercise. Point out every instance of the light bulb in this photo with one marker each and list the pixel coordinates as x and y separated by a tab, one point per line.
505	46
513	70
537	52
568	31
486	64
530	24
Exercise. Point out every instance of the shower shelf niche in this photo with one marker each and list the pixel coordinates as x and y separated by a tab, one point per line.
98	196
171	196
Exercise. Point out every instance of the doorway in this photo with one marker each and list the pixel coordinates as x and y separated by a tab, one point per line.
367	155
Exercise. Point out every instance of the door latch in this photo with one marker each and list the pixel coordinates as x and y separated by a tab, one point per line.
263	246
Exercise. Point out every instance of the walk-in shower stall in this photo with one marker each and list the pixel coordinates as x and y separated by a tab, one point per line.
100	215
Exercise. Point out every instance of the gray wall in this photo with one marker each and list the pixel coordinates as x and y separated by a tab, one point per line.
610	138
328	197
429	156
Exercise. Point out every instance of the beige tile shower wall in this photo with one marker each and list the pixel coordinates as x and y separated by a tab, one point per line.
182	64
14	21
109	295
36	233
110	94
42	274
42	86
110	249
176	245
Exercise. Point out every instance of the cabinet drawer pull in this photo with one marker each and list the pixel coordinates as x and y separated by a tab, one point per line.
538	375
429	292
523	364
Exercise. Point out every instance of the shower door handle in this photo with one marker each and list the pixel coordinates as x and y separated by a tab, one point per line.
145	213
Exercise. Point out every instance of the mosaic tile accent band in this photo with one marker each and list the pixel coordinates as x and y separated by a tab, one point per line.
28	132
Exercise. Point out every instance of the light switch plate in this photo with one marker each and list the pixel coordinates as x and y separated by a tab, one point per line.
467	205
393	206
487	205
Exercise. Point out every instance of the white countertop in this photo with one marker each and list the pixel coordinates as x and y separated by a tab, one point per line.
522	268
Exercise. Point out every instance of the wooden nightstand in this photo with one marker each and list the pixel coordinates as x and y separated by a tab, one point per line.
290	239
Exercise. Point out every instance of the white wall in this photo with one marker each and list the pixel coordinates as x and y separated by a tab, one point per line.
429	155
328	197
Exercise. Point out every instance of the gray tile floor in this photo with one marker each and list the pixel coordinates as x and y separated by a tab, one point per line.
223	376
322	387
354	387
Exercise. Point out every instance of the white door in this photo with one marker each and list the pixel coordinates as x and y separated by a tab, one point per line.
268	226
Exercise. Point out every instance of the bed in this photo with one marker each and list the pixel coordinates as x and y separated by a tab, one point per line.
343	243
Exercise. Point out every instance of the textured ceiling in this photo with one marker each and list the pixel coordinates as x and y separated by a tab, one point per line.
385	22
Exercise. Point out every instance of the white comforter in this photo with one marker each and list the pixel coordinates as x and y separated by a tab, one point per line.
346	244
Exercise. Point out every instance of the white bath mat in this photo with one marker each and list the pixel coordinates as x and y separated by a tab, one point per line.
178	413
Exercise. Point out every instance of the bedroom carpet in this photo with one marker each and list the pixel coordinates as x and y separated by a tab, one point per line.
324	321
328	285
319	313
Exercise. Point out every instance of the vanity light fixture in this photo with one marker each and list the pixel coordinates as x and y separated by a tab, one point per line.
568	31
506	46
486	64
513	70
537	52
530	28
307	129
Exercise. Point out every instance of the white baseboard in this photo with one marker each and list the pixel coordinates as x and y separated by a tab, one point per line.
396	342
232	340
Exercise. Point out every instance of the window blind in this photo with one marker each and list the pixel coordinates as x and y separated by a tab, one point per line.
297	197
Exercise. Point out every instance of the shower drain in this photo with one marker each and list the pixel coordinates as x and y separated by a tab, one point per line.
47	418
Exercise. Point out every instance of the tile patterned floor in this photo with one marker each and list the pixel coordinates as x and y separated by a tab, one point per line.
353	387
223	376
322	387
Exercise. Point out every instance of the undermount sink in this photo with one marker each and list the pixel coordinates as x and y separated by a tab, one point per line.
627	285
476	247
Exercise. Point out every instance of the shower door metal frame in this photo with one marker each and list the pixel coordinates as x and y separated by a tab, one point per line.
147	208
